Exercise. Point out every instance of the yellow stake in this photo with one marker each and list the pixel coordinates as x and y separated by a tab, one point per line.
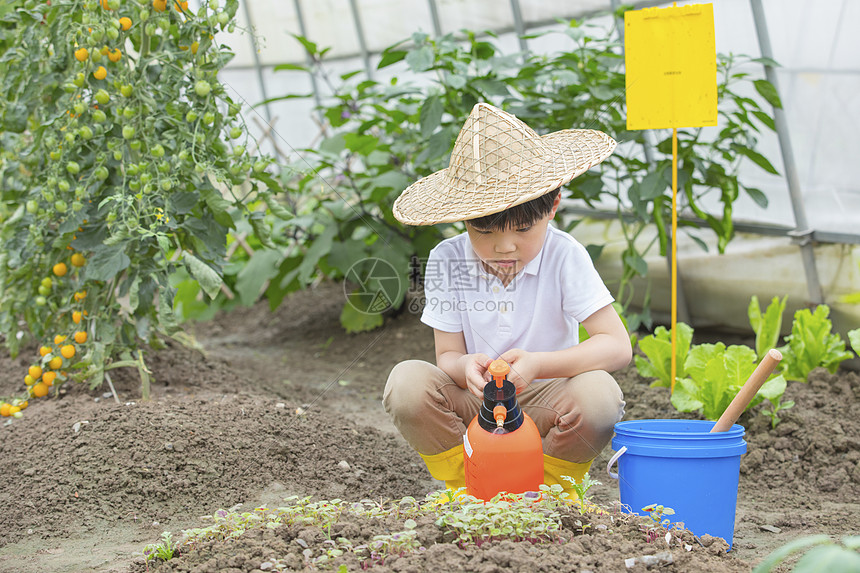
671	72
674	277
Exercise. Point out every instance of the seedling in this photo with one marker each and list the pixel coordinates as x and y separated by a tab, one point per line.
658	521
393	544
165	550
479	522
581	488
534	517
778	405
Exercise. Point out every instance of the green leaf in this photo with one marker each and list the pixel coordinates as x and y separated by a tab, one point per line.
740	363
134	294
811	344
658	350
491	87
210	281
355	321
262	230
773	389
308	45
714	387
768	92
219	207
828	559
636	262
276	208
284	282
757	195
594	251
359	143
262	266
392	181
780	554
390	57
319	247
166	314
766	326
431	115
437	146
653	185
854	339
421	59
456	81
334	144
756	158
765	61
297	67
183	202
185	303
106	263
765	119
684	397
344	254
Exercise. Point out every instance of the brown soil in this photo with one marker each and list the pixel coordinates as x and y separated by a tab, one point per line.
285	403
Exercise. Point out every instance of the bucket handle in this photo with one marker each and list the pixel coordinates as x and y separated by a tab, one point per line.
614	459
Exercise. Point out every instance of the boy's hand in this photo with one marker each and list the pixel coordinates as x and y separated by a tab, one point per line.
476	372
524	367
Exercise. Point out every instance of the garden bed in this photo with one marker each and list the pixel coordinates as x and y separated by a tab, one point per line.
286	404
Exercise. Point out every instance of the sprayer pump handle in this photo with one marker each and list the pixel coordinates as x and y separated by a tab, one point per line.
499	368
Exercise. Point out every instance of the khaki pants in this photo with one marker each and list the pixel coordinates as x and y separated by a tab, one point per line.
575	416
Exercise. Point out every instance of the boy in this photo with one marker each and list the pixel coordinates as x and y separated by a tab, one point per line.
515	288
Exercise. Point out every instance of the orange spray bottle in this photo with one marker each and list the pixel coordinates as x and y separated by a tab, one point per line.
502	446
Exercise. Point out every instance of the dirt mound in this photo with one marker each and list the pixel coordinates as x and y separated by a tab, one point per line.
149	461
286	403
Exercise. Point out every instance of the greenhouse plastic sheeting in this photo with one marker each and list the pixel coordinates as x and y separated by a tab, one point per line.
814	42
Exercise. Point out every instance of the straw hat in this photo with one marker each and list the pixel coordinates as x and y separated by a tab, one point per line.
498	162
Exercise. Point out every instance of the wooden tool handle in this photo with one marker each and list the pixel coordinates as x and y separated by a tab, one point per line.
749	389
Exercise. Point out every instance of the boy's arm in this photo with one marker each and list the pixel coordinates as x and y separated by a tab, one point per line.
607	348
469	371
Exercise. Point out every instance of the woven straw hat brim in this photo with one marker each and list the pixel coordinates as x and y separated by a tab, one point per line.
446	197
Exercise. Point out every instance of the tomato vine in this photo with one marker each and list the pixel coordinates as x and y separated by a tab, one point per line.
124	160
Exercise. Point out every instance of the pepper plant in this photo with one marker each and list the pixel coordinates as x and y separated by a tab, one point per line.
124	161
383	135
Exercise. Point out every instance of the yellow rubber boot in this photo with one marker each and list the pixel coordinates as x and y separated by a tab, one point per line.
554	468
448	466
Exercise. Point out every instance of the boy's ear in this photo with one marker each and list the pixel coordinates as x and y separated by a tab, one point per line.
555	205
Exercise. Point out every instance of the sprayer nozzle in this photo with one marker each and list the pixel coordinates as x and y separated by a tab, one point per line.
500	413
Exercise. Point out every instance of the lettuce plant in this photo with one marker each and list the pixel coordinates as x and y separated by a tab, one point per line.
715	374
657	348
854	339
766	325
819	553
812	344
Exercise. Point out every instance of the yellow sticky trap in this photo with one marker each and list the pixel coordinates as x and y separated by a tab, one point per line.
671	62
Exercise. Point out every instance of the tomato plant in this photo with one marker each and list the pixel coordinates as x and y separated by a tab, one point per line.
124	161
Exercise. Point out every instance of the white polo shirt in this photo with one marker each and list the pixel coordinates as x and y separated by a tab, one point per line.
539	311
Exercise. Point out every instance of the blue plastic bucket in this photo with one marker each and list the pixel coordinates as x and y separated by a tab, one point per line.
680	464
